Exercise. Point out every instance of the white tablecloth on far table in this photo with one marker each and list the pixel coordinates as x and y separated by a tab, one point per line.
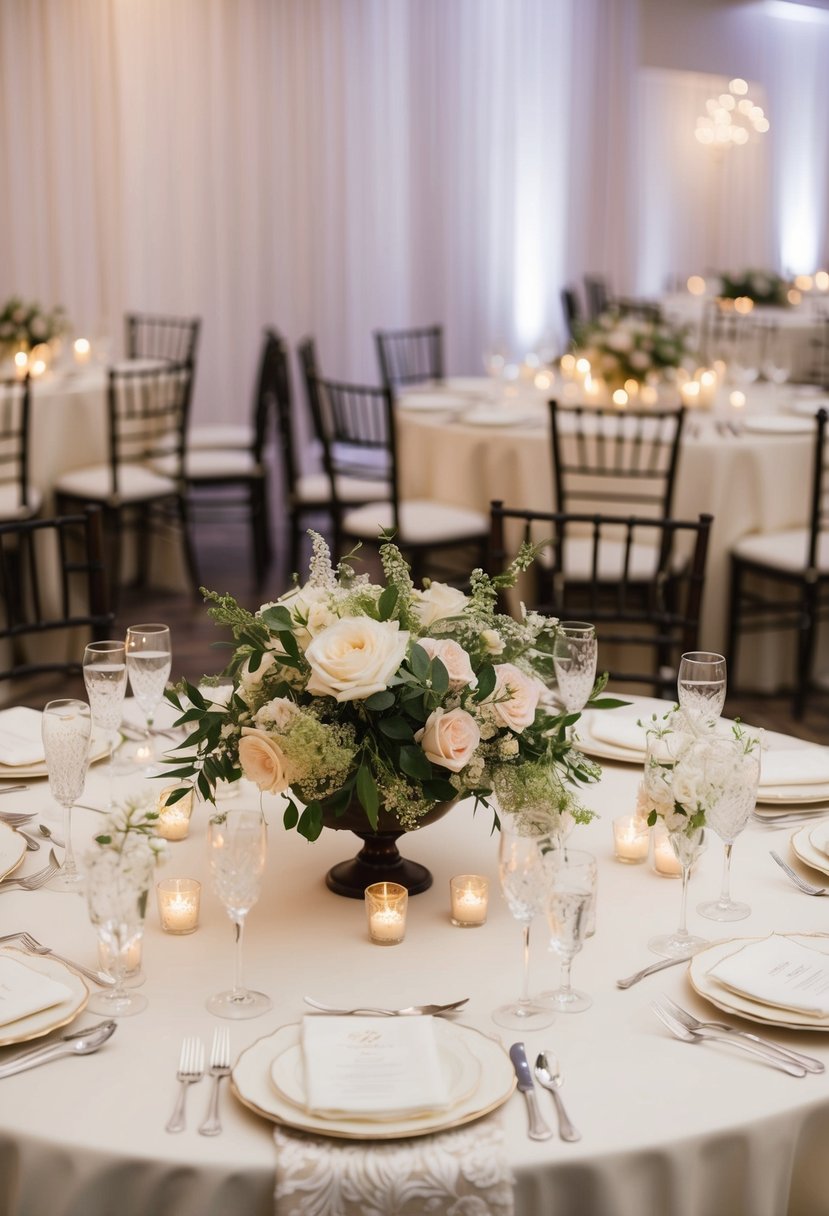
667	1128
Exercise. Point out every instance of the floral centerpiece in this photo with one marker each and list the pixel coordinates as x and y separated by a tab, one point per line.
624	347
23	325
760	286
388	702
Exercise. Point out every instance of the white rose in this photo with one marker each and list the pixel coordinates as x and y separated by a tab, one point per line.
278	713
310	612
449	739
355	657
514	698
252	679
454	658
492	641
262	761
439	600
685	787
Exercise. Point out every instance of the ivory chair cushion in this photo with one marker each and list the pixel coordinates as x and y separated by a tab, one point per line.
422	522
786	550
211	464
11	507
136	482
222	436
315	488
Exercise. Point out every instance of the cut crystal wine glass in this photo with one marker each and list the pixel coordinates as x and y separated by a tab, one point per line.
523	882
701	686
734	775
117	886
149	659
570	898
237	847
105	677
66	729
575	654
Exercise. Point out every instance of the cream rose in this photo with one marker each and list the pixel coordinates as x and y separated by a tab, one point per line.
492	641
278	713
262	761
454	658
439	600
310	612
449	739
355	657
514	698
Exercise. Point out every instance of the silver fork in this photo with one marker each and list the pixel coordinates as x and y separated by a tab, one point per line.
33	881
807	888
219	1067
698	1036
15	818
687	1019
190	1070
35	947
407	1011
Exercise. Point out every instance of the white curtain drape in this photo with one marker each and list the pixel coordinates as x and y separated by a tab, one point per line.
331	166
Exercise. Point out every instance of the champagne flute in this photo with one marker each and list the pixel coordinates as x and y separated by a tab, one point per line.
105	677
66	728
570	898
734	773
117	885
523	884
575	654
237	845
149	658
701	685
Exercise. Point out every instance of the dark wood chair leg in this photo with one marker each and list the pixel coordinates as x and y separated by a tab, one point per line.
805	649
734	598
189	549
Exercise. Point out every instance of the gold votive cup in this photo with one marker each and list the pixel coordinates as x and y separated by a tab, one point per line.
173	821
178	904
469	896
631	839
386	905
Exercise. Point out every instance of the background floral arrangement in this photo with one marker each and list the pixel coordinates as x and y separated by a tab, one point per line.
23	324
387	695
628	347
761	286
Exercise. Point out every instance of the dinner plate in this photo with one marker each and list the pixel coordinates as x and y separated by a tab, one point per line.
479	385
744	1006
605	749
98	750
12	849
794	795
461	1069
45	1020
809	406
492	415
432	403
805	851
778	424
252	1084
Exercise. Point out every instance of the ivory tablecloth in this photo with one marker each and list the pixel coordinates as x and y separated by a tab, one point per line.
668	1128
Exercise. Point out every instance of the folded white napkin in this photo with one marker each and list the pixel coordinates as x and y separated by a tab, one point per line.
621	730
20	739
382	1067
461	1171
24	991
778	971
795	766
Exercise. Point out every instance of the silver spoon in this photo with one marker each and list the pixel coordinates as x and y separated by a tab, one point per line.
50	835
81	1043
547	1074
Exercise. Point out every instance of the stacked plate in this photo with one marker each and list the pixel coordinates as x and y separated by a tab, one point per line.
21	753
734	999
811	846
12	849
433	401
269	1077
39	994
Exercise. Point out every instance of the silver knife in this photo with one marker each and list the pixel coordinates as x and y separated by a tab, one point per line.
538	1129
651	970
81	1043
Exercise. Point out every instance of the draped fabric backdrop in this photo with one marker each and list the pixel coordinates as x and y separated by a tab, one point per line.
329	166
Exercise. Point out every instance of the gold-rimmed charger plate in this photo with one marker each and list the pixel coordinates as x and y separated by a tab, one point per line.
806	852
12	849
98	750
45	1020
252	1084
745	1006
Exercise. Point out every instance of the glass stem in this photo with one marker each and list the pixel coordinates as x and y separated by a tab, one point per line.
566	963
110	765
525	987
238	986
725	892
682	931
69	865
119	968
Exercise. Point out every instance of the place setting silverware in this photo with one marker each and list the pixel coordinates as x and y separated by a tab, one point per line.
219	1067
651	969
406	1011
12	789
702	1033
190	1071
78	1043
808	888
31	945
33	882
548	1073
693	1023
537	1129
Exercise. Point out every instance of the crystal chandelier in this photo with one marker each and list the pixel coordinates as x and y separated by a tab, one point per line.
731	118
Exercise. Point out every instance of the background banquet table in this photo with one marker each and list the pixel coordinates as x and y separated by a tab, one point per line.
666	1128
754	482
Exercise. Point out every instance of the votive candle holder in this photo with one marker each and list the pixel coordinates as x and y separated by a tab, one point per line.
173	821
469	897
178	904
631	839
386	906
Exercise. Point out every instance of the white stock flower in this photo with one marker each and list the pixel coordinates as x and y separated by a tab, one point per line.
454	658
355	657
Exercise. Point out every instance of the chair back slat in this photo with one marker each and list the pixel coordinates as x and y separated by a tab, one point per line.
150	336
15	397
409	356
148	417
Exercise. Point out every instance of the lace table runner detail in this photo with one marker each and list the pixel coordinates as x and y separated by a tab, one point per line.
456	1173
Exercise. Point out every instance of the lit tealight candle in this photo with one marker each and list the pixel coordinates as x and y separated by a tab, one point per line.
469	894
543	381
649	394
386	910
81	350
178	904
582	367
21	364
174	817
689	392
620	398
665	860
567	363
737	399
631	838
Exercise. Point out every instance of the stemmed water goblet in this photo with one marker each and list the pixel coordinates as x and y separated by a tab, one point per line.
672	763
237	846
570	896
66	729
733	775
117	887
495	360
105	677
149	658
523	880
701	685
575	654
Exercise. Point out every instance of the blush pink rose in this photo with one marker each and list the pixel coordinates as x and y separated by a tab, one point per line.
514	698
449	739
262	761
454	658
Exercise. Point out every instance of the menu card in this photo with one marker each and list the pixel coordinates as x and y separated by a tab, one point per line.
24	991
778	971
371	1066
795	766
20	739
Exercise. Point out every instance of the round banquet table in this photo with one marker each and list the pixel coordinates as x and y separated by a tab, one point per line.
756	481
667	1128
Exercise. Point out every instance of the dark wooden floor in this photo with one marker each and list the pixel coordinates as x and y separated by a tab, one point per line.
225	565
